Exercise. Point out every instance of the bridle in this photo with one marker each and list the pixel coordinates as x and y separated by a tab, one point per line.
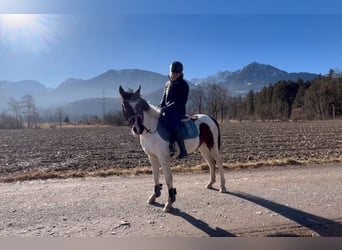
133	107
135	116
129	112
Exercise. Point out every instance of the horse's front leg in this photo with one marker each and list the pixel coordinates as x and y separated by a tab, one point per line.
157	186
168	179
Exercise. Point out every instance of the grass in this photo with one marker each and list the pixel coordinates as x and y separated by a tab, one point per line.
43	175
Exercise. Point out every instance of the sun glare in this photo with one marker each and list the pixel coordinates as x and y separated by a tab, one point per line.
28	32
18	21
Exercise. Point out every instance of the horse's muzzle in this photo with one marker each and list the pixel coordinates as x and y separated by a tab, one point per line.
137	125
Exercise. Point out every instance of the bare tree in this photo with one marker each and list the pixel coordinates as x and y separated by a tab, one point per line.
197	99
223	101
15	108
60	115
29	109
216	98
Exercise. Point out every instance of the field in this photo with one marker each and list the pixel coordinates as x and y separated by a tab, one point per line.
58	152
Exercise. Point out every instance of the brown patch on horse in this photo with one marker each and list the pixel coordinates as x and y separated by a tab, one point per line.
206	136
219	132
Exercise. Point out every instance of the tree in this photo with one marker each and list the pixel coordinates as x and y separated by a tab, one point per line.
222	102
15	108
114	118
216	98
29	109
197	99
250	103
339	95
297	109
7	121
331	97
320	98
66	119
236	108
331	73
263	101
278	104
314	99
299	99
60	115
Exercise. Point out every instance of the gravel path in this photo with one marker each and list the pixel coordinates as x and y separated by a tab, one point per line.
279	201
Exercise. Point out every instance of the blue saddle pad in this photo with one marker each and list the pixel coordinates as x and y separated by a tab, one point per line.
187	129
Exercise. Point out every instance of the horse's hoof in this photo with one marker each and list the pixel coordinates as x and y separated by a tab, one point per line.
167	207
152	199
223	190
209	186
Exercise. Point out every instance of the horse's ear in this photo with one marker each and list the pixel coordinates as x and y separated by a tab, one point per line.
121	91
138	91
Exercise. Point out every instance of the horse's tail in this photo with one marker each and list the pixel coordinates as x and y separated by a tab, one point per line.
218	132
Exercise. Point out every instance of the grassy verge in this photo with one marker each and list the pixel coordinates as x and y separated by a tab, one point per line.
43	175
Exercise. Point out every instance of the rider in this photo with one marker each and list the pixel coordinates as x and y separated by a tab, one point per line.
173	104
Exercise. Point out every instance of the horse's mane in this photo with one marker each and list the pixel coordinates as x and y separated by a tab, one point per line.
145	104
149	107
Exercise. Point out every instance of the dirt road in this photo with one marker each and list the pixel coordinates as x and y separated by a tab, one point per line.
281	201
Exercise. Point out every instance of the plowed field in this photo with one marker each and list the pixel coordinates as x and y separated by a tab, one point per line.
91	149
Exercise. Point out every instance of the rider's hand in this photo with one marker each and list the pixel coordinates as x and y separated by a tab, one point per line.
162	110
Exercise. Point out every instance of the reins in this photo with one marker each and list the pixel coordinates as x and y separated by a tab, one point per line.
149	130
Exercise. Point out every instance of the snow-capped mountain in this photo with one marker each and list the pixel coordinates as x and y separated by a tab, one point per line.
254	76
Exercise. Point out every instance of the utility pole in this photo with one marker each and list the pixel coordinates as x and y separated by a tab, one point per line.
103	104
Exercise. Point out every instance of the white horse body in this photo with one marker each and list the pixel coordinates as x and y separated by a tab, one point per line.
152	142
157	149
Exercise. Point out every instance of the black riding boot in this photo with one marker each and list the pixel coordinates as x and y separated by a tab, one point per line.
183	154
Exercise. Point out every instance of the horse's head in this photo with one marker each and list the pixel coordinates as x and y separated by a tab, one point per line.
133	107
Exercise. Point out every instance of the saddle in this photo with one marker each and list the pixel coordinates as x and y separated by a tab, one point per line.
187	129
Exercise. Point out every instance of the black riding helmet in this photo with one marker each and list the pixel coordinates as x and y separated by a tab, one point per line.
176	67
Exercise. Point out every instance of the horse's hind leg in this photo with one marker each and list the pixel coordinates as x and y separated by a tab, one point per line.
211	162
157	186
213	159
220	168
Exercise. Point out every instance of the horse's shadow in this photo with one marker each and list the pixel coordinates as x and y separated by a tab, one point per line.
201	225
218	232
321	225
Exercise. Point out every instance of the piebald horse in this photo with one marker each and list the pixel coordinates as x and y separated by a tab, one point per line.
144	119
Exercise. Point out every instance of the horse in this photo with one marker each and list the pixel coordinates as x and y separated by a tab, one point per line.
145	121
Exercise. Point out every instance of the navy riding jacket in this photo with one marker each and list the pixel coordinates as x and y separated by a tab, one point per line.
174	101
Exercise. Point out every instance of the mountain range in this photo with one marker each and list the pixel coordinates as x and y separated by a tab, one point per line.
99	94
254	77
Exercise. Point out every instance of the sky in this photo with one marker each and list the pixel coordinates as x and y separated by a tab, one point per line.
51	41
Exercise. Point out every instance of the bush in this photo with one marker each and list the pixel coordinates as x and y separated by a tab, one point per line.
8	122
114	118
